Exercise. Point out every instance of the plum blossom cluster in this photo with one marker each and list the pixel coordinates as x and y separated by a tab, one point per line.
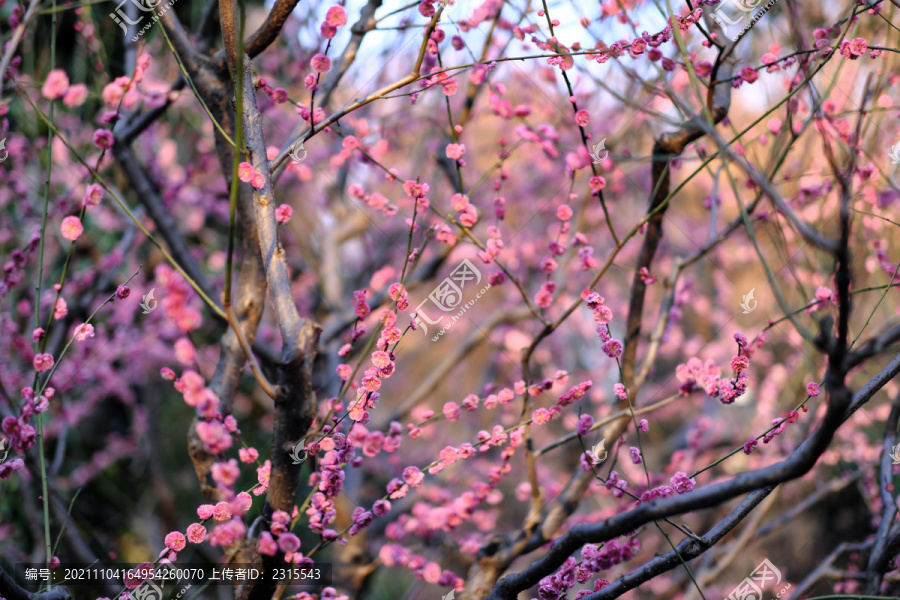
707	375
20	433
602	316
330	481
395	555
279	538
594	559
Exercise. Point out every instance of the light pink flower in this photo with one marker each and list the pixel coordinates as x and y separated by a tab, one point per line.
248	455
71	228
184	351
55	85
61	309
112	94
222	511
258	181
75	95
84	331
245	172
267	545
455	151
196	533
93	194
336	16
175	541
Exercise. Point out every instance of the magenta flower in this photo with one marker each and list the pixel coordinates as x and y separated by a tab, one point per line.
283	213
812	388
93	194
320	63
750	446
381	507
749	74
103	139
585	422
635	455
43	362
288	542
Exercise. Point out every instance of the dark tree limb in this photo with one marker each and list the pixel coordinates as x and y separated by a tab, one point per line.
879	559
11	591
667	146
798	464
295	403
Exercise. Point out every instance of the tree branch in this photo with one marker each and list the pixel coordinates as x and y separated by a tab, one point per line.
799	463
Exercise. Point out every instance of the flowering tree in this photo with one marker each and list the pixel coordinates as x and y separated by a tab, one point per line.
452	296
